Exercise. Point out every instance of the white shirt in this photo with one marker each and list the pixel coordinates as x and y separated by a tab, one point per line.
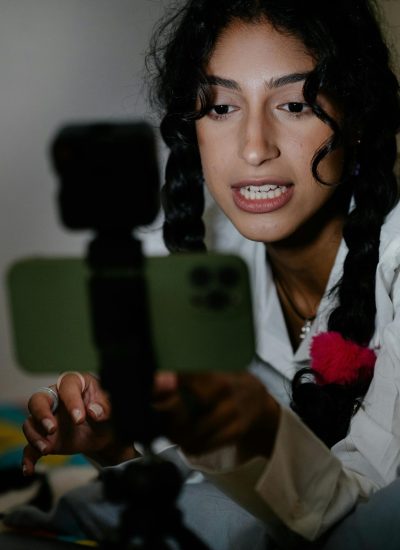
304	486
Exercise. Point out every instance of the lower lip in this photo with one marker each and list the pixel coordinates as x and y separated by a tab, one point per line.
262	206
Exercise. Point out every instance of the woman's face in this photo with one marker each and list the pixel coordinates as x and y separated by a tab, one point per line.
257	142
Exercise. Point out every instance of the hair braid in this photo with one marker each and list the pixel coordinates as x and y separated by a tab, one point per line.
327	409
182	195
354	317
375	118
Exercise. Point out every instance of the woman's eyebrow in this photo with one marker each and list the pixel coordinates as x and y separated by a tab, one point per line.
286	79
275	82
214	80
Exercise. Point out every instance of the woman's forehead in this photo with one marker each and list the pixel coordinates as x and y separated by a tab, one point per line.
246	48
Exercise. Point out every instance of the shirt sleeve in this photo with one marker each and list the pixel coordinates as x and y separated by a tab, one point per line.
302	487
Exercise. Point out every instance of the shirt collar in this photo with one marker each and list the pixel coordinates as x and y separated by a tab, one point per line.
273	345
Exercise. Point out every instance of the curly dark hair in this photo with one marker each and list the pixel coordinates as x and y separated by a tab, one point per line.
352	66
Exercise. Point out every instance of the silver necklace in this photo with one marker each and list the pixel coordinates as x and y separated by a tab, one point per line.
307	320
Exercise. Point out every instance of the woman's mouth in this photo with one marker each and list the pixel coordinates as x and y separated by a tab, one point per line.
262	198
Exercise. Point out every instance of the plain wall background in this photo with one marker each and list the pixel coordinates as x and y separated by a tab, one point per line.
63	61
60	61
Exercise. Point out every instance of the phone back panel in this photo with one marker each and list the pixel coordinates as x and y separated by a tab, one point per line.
201	313
199	304
50	315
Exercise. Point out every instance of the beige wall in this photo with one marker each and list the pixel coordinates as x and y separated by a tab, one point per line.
391	22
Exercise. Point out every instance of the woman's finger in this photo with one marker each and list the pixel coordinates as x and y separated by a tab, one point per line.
40	406
165	383
224	413
220	438
206	388
70	390
96	400
30	456
37	437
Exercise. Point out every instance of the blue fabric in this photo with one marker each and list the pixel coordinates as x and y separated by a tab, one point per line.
372	525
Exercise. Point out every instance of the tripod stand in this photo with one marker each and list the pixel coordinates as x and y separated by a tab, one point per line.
148	488
87	159
152	520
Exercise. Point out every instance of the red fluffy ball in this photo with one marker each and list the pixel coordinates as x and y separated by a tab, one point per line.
340	361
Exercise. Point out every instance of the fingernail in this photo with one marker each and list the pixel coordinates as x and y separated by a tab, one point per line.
24	470
96	409
76	415
48	424
40	445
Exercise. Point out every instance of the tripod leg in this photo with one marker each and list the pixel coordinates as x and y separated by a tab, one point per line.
188	540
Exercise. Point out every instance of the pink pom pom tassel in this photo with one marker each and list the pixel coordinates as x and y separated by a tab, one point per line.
340	361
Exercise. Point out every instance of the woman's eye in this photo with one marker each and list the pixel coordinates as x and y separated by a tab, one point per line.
221	111
296	107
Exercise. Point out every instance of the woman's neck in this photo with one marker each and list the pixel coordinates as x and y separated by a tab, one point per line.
301	267
307	265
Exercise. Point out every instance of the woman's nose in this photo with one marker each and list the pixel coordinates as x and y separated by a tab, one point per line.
257	143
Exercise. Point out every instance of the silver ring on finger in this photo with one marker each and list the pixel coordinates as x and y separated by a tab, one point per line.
53	394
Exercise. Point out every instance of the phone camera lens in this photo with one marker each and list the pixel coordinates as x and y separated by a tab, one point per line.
200	276
228	276
217	300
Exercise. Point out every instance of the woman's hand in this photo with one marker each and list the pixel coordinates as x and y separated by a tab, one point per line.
81	424
206	411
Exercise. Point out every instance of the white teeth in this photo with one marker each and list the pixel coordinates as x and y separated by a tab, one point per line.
262	192
265	187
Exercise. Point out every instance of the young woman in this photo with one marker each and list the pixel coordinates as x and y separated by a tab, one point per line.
287	111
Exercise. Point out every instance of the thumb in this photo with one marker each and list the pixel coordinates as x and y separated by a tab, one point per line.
165	383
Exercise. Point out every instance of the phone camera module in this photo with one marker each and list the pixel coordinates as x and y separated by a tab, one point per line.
200	276
228	276
217	300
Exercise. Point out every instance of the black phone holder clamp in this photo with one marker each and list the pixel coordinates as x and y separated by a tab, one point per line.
109	183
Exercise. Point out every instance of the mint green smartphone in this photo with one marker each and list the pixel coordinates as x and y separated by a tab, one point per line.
199	304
